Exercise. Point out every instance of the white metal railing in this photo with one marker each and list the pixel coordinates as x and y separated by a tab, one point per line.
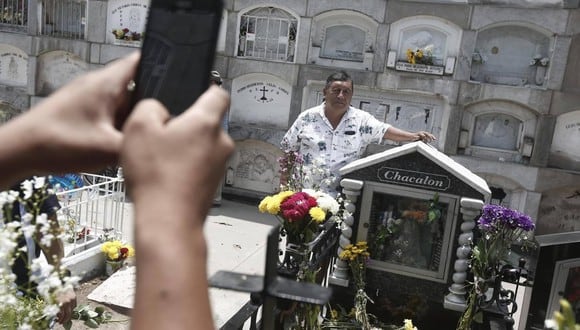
93	212
63	18
14	12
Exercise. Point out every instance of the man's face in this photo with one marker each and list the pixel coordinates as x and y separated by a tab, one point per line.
338	95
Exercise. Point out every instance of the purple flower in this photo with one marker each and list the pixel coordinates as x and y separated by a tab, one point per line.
499	218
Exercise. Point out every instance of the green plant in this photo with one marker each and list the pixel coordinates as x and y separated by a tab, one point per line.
565	319
92	317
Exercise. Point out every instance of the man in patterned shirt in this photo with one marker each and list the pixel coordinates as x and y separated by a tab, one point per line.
334	134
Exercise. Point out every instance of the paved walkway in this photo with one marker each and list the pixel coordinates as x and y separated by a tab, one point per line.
236	235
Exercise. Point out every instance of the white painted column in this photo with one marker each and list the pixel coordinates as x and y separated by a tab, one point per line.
352	190
455	299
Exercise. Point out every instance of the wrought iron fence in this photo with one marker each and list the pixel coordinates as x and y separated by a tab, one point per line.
14	13
93	211
275	289
63	18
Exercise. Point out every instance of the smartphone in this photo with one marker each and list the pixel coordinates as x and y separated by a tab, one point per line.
178	52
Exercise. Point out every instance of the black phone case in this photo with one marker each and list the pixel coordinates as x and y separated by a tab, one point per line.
178	52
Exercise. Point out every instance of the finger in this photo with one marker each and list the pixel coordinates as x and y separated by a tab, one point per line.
121	71
147	113
213	104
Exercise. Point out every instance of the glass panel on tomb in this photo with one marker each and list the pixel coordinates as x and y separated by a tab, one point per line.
408	234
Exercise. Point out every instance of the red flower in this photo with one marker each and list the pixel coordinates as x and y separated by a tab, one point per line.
124	252
296	207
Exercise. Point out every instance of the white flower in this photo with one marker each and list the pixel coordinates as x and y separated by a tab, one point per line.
39	182
25	326
46	239
7	197
50	311
328	204
26	187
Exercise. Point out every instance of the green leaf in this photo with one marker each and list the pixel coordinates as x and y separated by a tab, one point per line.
91	324
478	317
92	314
81	308
100	310
67	325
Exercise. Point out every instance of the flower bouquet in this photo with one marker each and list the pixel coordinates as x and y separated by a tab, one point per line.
115	254
301	214
419	56
500	227
357	256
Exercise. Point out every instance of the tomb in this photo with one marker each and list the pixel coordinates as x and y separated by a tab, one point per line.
57	68
13	65
415	207
254	167
511	55
565	149
423	44
126	22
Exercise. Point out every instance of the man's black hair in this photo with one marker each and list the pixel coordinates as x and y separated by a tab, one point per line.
339	76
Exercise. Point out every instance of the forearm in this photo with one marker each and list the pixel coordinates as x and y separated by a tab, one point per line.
172	287
400	135
55	252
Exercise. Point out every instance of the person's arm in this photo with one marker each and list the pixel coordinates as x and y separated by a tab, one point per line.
172	168
399	135
54	254
75	129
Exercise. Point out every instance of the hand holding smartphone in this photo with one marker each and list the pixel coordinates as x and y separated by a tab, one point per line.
178	52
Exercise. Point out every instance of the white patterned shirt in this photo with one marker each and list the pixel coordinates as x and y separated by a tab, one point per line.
328	149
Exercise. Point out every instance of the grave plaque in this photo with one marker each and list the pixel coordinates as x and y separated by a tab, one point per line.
565	152
13	65
431	42
255	166
503	55
126	22
57	68
260	99
558	211
344	42
497	131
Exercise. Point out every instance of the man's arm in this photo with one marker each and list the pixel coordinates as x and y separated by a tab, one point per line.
73	130
399	135
54	254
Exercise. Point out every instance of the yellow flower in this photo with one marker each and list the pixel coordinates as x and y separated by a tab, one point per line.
263	207
419	54
112	250
409	325
317	214
334	314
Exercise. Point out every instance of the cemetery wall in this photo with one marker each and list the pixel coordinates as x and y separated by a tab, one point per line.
499	89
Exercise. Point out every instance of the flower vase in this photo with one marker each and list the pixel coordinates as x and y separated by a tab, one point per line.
112	266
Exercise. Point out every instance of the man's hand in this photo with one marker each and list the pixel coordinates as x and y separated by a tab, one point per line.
75	129
180	159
